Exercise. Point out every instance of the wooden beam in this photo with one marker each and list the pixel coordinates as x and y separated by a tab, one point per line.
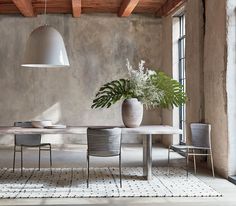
25	7
169	7
127	6
76	8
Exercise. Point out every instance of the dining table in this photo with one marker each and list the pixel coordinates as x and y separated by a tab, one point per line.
146	130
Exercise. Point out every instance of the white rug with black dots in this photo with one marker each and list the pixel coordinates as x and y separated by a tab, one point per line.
104	182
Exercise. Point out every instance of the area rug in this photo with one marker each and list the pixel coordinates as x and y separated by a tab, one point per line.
104	182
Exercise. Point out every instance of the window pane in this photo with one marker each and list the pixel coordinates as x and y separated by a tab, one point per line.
182	78
183	25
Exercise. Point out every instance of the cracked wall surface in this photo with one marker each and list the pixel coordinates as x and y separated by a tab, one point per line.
215	67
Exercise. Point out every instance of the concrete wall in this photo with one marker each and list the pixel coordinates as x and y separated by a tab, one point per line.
97	46
206	73
215	56
231	84
170	66
194	63
167	67
206	68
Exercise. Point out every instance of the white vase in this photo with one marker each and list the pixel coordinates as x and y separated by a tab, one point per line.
132	112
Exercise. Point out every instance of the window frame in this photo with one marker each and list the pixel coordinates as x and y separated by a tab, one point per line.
182	75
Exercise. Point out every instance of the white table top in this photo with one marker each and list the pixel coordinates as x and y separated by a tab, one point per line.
144	129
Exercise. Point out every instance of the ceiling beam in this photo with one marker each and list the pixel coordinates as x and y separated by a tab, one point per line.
76	8
169	7
127	6
25	7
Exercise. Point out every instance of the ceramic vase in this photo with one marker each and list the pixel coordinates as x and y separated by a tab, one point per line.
132	112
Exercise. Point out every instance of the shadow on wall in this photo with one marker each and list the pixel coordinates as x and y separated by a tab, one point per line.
54	114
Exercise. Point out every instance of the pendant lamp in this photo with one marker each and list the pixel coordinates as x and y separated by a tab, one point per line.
45	49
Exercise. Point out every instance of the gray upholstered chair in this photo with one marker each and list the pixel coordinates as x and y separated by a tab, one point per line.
29	140
104	142
201	145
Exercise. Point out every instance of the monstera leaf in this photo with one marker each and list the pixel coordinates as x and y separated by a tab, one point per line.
173	91
158	90
111	92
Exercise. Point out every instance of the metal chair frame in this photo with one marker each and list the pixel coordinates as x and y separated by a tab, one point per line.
190	150
42	147
88	160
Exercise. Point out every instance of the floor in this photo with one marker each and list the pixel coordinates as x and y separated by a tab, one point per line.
74	156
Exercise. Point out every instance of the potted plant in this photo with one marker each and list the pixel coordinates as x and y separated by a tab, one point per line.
143	87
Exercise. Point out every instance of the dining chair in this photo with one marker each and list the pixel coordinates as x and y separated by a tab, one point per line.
29	140
103	142
201	146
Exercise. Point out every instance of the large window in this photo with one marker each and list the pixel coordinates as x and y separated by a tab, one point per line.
182	77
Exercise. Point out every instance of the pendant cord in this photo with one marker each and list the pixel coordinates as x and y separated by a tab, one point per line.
45	11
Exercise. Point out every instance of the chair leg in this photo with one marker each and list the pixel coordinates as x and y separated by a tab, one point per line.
39	156
120	171
212	164
187	161
14	158
50	151
87	170
194	161
169	160
21	160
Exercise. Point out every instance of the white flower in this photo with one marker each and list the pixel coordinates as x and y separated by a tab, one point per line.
151	72
142	85
141	66
129	66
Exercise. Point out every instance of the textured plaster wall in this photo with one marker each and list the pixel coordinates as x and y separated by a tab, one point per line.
206	73
215	95
169	38
231	83
167	67
194	63
97	46
206	66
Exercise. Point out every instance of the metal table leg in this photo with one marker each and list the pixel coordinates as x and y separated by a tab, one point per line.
147	156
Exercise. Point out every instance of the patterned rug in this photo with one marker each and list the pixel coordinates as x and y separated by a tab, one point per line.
104	182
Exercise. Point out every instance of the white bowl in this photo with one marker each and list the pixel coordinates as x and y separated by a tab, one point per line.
41	124
56	126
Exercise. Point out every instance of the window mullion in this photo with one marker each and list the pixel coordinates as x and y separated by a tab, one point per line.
182	79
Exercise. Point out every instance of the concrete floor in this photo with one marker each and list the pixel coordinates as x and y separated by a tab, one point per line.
74	156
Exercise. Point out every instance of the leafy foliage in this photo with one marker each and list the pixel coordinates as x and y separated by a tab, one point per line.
153	89
111	92
173	94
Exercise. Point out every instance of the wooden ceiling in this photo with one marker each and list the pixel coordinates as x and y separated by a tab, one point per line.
123	8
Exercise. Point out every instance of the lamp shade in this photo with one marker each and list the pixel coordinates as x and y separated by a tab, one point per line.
45	49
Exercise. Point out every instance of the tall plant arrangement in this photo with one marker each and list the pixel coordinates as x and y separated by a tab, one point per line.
152	88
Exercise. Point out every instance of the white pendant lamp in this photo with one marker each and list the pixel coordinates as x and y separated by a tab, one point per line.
45	49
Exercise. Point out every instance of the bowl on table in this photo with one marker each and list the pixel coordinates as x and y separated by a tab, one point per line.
41	124
56	126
